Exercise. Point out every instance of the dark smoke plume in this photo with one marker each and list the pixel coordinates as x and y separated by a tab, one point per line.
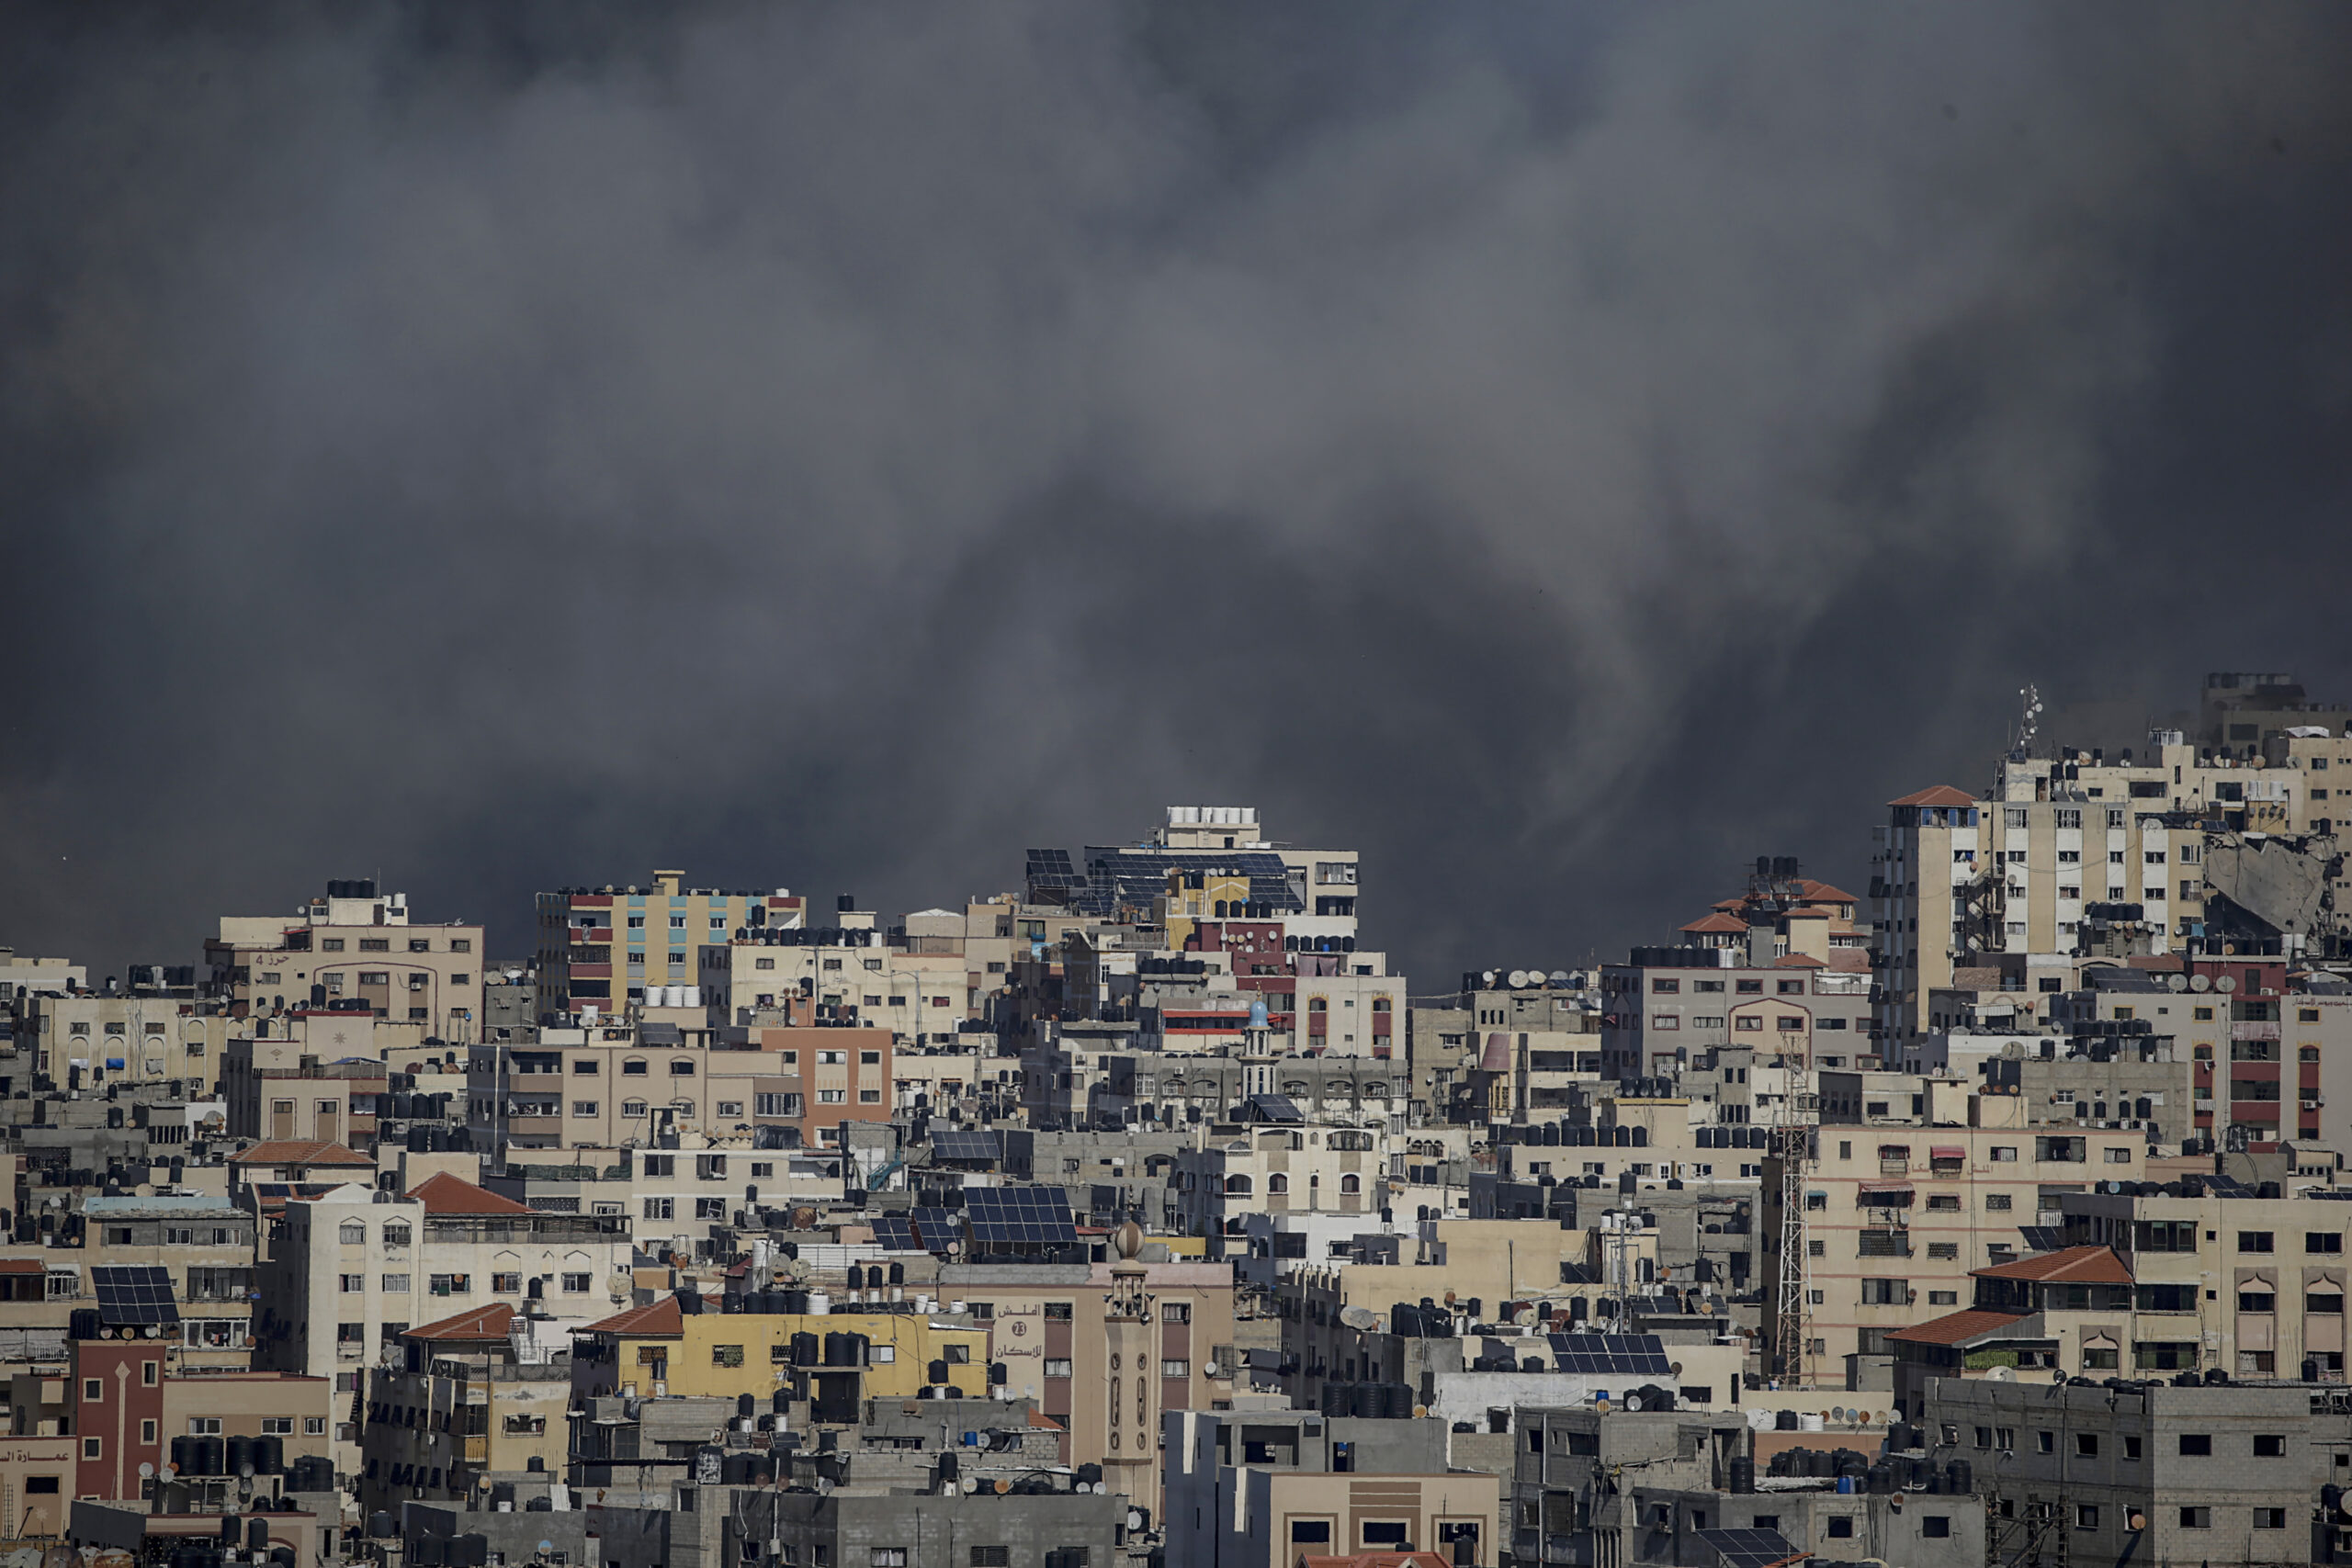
1564	452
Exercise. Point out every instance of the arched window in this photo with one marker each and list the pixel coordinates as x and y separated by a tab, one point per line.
1350	1185
1294	1088
1319	1004
396	1234
355	1233
632	1108
1277	1183
1237	1186
1376	1089
681	1068
1380	1004
634	1067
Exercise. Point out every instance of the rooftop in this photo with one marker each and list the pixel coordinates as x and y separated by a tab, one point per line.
300	1151
2071	1265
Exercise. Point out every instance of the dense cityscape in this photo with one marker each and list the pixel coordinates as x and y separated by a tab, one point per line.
1950	1204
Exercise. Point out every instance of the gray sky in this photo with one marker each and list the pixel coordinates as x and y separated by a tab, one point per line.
1564	452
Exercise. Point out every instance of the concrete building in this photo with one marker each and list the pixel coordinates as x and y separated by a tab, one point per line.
354	945
1263	1488
605	948
480	1394
2149	1472
1669	1007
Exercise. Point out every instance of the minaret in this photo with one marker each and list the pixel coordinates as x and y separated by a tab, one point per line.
1131	1463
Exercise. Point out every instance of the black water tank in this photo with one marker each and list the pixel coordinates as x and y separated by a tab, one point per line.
208	1457
1743	1475
239	1455
1960	1477
269	1456
1785	1421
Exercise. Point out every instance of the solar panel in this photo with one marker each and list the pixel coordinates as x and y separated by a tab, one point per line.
1611	1355
1274	1108
1135	877
935	1228
1021	1218
1752	1548
135	1294
967	1143
894	1233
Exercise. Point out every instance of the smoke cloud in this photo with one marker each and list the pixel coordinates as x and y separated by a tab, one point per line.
1563	454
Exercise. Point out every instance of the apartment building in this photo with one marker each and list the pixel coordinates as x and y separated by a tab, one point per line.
853	974
88	1040
1275	1168
605	948
1669	1007
2145	1472
284	1090
351	945
667	1350
1899	1208
203	1244
1269	1488
23	974
354	1269
613	1086
482	1393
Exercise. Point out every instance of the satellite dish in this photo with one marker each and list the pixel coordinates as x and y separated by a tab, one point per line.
2176	982
1488	976
2201	982
1470	1061
2226	983
146	1471
1518	978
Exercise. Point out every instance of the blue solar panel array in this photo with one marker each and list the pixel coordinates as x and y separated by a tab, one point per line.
135	1294
1131	878
1611	1355
965	1146
1752	1548
1019	1219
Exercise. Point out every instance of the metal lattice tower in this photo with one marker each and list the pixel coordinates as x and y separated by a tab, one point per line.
1793	1146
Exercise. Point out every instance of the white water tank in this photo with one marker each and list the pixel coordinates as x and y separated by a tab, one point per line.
693	996
819	1303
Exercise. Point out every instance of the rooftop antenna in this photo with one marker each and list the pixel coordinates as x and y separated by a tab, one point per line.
2028	720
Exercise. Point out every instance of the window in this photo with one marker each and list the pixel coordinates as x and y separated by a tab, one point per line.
727	1355
506	1284
2254	1241
1057	1368
2045	1442
661	1208
575	1284
1176	1312
2260	1303
1174	1369
353	1233
2196	1445
2322	1241
681	1068
889	1557
584	1108
2270	1519
1936	1526
1996	1203
991	1557
204	1426
632	1108
2270	1445
351	1284
93	1448
2196	1518
396	1234
633	1067
2086	1444
1841	1527
1057	1312
730	1108
2327	1303
93	1391
277	1426
585	1067
1665	987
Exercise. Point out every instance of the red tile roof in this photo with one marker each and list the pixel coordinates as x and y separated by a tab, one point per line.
1709	924
300	1151
1942	794
22	1266
664	1318
2071	1265
1826	891
446	1194
482	1324
1956	1329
